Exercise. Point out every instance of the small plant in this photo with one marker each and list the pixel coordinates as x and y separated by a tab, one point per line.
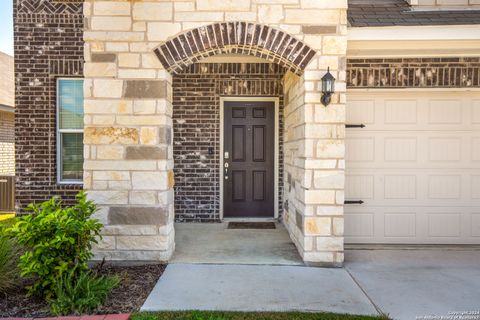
80	293
57	240
8	263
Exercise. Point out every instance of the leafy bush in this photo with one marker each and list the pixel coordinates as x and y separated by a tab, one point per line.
80	293
8	263
57	239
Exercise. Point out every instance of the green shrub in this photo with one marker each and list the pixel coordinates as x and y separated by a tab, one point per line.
57	239
80	293
8	263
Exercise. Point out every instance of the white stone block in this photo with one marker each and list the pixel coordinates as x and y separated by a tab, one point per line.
143	197
129	60
111	175
150	180
103	88
223	5
111	8
101	70
111	23
270	13
329	244
152	11
108	197
162	31
312	16
109	152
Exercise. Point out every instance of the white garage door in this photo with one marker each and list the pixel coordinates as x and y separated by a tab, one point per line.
416	166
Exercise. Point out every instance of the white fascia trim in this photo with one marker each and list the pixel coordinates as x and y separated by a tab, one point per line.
406	33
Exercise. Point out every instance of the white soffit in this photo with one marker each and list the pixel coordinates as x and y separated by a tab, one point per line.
414	41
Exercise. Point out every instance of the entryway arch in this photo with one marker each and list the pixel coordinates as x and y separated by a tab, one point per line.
251	39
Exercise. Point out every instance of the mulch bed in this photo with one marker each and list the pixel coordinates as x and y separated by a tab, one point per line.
136	284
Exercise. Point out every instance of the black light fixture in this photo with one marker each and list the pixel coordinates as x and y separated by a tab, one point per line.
328	88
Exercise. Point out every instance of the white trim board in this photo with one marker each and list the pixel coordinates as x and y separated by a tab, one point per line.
276	176
410	33
411	89
414	41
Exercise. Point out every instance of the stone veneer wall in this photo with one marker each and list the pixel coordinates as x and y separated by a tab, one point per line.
431	72
7	143
48	44
128	114
196	116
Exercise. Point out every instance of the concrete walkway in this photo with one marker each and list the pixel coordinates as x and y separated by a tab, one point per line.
257	288
401	283
214	243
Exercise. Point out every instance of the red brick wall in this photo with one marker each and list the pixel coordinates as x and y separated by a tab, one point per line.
48	44
196	127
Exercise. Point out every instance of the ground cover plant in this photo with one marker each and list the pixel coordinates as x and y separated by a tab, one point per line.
136	282
57	242
8	258
57	239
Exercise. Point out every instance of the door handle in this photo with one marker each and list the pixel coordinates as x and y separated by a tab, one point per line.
226	165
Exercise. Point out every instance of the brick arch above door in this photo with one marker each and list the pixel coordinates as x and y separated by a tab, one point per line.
246	38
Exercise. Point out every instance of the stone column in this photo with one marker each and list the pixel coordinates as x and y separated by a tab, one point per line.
128	137
315	144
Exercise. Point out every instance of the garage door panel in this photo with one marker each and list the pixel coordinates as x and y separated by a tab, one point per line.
400	148
403	187
360	187
445	111
360	224
401	111
416	166
360	149
361	111
476	224
450	149
475	149
475	187
444	224
412	225
476	111
400	187
444	148
400	224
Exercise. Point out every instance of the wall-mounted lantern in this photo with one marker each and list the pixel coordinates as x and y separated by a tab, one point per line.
328	88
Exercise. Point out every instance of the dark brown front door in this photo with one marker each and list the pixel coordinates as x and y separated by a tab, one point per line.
249	144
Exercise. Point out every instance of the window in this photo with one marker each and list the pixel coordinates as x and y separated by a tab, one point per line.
70	130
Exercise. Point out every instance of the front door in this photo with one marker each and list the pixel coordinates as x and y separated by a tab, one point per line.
249	146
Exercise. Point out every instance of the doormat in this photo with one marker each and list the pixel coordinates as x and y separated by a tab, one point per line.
251	225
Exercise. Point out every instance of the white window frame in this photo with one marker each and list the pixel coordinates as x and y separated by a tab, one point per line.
59	135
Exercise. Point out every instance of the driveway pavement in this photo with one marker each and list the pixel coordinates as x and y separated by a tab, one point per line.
404	284
408	283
